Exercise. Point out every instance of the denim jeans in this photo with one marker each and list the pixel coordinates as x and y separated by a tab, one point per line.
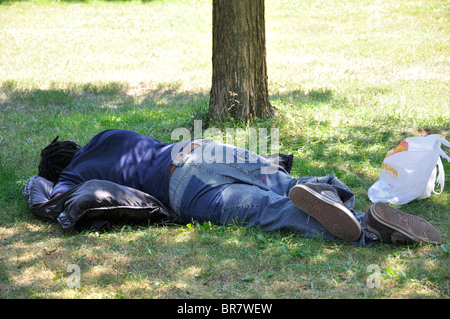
226	184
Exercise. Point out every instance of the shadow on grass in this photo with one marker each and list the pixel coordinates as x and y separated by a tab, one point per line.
351	136
90	107
32	117
35	116
77	112
207	261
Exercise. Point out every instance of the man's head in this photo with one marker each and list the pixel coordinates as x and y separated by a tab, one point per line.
55	158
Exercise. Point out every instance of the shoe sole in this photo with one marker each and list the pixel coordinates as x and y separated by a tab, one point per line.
335	217
414	227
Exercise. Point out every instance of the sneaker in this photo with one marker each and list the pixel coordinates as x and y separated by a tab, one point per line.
323	203
396	227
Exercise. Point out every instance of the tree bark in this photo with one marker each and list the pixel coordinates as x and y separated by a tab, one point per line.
239	80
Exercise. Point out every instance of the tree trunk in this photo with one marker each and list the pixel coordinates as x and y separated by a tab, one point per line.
239	81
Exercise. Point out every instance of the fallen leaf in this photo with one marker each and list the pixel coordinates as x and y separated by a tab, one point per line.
49	251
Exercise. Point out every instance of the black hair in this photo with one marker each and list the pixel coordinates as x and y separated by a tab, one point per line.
55	157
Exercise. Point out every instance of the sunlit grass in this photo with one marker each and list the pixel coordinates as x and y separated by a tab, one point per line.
124	41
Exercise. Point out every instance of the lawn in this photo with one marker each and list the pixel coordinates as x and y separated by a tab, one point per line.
350	79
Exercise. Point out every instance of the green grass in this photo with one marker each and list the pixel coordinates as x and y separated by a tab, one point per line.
350	80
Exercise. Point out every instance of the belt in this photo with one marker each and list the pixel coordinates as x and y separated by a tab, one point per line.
187	150
172	168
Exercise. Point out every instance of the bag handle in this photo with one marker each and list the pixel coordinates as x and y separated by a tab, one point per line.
440	180
439	149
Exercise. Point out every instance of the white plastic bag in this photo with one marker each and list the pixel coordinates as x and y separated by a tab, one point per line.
411	171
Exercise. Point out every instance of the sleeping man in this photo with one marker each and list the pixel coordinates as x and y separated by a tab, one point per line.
202	180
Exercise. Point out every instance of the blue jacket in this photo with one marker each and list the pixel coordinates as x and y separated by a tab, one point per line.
123	157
